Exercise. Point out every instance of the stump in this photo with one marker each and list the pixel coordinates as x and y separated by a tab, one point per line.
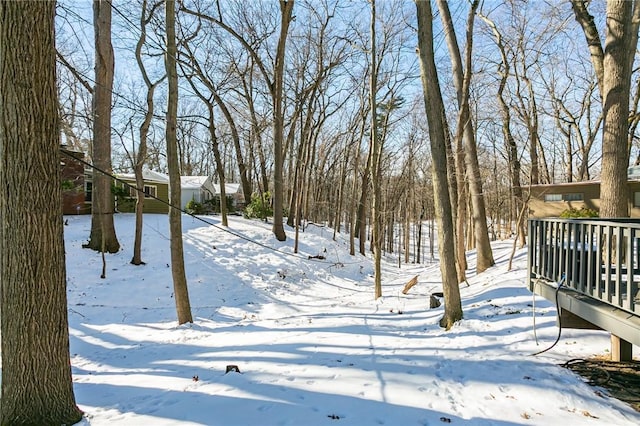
233	368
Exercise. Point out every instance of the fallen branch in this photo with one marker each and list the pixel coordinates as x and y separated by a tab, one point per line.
413	281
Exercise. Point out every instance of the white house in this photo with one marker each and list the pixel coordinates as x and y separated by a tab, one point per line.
233	190
198	188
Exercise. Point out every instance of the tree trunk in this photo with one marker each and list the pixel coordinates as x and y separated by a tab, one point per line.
434	108
219	165
354	209
587	23
103	232
510	145
376	154
286	8
144	133
462	82
616	86
242	167
459	203
613	66
180	290
37	387
361	218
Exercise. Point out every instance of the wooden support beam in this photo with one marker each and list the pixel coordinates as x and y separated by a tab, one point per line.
621	350
571	320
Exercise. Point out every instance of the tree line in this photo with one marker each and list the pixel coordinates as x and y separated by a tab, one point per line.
361	115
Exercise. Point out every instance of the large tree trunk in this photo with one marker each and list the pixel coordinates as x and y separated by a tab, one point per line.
103	232
612	66
616	87
286	8
181	293
141	157
463	132
434	109
462	82
36	375
376	155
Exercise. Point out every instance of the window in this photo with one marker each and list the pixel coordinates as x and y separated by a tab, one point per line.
88	191
636	199
575	196
149	191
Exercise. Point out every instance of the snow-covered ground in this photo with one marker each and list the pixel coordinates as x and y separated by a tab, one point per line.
312	345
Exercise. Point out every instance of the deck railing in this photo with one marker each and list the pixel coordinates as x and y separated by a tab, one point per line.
596	257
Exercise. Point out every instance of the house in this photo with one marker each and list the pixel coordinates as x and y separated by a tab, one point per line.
589	267
233	190
156	189
552	199
74	184
197	188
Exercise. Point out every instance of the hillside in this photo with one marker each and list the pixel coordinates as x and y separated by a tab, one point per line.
311	344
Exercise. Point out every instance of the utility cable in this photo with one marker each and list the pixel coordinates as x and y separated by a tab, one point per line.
559	286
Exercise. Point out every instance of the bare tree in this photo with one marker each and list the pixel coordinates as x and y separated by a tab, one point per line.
103	233
435	111
375	152
141	157
613	66
180	289
286	9
37	387
275	85
462	78
511	147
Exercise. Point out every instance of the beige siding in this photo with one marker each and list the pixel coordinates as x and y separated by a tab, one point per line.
539	208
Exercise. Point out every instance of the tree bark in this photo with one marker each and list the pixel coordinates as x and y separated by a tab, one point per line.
616	85
180	290
462	82
613	66
37	387
434	108
376	155
103	232
459	203
586	21
141	157
286	9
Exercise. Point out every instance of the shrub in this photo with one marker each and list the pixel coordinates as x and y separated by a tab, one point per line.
213	204
259	207
120	191
68	185
574	213
194	207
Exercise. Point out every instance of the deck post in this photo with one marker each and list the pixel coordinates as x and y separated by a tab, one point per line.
621	350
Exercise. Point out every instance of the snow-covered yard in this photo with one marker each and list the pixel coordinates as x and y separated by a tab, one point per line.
312	345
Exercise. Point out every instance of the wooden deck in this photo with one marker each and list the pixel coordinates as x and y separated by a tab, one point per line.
597	262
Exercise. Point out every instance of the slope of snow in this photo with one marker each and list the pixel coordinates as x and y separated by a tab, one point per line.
312	345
